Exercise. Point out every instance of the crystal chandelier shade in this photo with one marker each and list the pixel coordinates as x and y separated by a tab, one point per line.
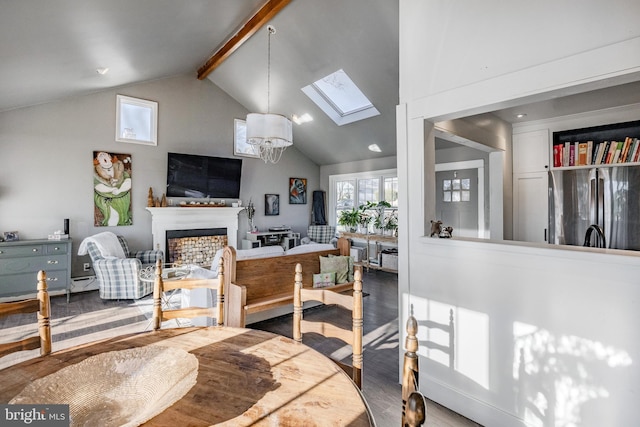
269	134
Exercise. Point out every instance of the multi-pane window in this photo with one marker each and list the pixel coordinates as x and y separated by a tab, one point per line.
368	190
345	192
456	190
351	191
391	190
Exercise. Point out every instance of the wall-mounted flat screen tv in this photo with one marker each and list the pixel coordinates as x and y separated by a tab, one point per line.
190	175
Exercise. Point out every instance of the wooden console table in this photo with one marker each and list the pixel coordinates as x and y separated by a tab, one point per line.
377	240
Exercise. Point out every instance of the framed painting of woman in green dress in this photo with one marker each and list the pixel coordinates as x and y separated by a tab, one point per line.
111	189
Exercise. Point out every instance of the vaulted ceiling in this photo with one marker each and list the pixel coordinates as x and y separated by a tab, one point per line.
50	50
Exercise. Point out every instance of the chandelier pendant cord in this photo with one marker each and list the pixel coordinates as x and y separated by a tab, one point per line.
271	30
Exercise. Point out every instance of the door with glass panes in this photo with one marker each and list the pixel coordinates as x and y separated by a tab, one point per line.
457	201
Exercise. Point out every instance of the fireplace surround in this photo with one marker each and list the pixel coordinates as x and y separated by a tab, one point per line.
191	218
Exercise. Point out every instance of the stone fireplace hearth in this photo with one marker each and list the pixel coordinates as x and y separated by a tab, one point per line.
192	218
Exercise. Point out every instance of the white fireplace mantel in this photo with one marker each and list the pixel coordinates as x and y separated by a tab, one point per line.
189	218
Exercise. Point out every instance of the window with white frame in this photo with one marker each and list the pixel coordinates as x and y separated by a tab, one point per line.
352	190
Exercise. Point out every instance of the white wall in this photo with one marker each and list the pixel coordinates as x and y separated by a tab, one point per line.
463	58
46	152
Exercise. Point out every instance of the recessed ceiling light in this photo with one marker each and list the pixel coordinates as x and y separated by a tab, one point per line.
102	70
375	148
306	117
520	115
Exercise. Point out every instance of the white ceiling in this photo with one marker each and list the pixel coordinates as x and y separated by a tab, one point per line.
50	50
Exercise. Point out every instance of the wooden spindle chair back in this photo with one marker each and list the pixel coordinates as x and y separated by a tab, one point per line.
40	305
161	286
326	296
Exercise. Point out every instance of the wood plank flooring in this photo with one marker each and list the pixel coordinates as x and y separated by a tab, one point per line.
381	358
87	318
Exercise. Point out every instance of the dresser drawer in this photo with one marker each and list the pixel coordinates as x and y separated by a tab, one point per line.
21	250
26	283
57	248
33	264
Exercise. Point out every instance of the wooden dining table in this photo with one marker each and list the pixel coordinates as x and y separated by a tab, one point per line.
245	377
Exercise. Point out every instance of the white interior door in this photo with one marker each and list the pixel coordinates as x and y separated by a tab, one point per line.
457	201
460	197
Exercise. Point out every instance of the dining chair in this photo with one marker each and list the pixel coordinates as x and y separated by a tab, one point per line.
414	404
352	302
161	286
39	305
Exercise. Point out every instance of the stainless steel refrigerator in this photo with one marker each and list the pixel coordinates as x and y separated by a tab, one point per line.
604	197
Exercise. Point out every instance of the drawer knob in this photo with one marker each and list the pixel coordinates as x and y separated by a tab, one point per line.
35	249
1	252
52	262
52	279
56	248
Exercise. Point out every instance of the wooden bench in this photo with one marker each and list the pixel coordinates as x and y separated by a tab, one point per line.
255	285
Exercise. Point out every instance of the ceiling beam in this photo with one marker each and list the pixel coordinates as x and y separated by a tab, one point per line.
266	12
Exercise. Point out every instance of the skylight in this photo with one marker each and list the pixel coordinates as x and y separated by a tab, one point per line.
339	97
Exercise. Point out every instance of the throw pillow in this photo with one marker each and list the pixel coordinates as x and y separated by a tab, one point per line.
350	277
322	280
336	264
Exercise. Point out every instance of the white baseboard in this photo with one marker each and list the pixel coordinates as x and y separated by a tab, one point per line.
468	406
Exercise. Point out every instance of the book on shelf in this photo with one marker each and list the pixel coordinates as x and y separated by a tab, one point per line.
582	154
597	157
616	154
590	153
634	157
625	150
572	154
557	155
610	151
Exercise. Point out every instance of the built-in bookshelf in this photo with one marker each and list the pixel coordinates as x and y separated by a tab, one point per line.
603	146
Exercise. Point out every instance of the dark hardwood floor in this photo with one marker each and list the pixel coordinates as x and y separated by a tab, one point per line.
87	318
380	386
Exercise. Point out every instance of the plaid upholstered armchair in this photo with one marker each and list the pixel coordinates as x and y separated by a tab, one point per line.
119	277
320	234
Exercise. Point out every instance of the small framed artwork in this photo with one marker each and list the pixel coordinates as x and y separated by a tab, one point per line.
240	145
271	204
10	236
298	191
136	120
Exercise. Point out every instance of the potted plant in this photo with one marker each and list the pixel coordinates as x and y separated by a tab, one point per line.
378	214
350	219
391	223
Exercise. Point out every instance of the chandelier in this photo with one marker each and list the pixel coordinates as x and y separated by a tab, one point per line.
269	134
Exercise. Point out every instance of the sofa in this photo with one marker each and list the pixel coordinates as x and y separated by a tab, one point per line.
206	298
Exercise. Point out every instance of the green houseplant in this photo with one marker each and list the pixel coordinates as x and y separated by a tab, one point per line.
350	219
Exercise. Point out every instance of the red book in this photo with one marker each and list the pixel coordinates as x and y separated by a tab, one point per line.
557	155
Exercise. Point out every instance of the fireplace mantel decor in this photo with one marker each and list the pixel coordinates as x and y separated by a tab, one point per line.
177	218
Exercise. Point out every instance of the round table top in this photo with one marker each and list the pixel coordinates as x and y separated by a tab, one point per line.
245	377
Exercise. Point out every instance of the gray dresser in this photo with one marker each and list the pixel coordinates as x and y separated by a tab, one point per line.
20	262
